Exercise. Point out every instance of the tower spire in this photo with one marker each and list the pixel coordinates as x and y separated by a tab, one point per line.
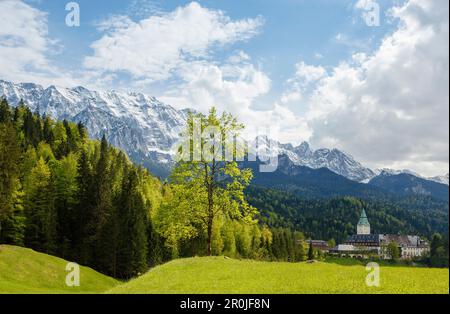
363	226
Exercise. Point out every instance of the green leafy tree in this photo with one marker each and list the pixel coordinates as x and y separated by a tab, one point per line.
393	251
439	251
66	190
210	186
40	210
331	243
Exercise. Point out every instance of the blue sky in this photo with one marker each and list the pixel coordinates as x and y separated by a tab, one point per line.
311	70
293	30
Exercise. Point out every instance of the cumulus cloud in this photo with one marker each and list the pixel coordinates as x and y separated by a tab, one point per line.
26	47
390	108
23	39
155	47
177	48
235	86
305	75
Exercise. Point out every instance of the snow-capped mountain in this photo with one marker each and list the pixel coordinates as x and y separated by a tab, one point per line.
141	125
147	129
394	172
440	179
333	159
391	172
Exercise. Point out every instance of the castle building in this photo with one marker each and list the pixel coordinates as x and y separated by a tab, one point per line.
363	243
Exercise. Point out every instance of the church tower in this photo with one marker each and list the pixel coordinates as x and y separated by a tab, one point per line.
363	224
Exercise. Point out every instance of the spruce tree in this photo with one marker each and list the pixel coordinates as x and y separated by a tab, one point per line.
84	220
132	259
103	214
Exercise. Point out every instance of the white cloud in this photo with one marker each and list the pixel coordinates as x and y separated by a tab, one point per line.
390	108
309	73
23	39
298	85
234	87
177	47
25	46
155	47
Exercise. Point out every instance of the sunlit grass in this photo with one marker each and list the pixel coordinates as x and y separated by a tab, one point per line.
26	271
218	275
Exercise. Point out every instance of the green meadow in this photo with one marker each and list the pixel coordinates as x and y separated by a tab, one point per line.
26	271
219	275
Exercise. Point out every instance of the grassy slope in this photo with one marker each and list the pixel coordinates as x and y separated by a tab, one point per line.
26	271
219	275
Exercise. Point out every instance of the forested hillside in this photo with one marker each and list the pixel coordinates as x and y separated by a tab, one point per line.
64	194
67	195
336	218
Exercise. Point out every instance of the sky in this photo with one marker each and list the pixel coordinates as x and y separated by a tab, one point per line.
364	76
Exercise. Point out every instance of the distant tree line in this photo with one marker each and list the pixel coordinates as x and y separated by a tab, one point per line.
336	218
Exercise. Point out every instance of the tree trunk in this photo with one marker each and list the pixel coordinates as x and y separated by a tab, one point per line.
209	237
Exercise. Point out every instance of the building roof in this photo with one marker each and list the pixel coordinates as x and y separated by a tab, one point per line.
371	240
363	221
364	239
403	240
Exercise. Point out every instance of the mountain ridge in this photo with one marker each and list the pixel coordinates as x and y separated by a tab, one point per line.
146	129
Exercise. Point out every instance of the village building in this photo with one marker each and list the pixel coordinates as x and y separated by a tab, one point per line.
320	245
364	244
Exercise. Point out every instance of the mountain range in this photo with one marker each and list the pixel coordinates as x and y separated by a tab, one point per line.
146	129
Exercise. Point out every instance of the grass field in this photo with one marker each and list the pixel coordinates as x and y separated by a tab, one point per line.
220	275
26	271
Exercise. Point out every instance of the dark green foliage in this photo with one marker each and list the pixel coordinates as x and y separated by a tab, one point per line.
393	251
287	245
336	218
406	184
63	194
11	219
132	219
439	256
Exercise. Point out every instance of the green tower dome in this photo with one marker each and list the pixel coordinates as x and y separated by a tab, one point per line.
363	221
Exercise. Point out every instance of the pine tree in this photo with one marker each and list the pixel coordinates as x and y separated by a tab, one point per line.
132	259
103	214
85	226
5	111
47	132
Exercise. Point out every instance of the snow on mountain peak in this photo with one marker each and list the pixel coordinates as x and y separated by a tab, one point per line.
137	123
146	128
441	179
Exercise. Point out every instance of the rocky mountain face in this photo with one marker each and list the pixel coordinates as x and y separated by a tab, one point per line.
146	129
333	159
142	126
